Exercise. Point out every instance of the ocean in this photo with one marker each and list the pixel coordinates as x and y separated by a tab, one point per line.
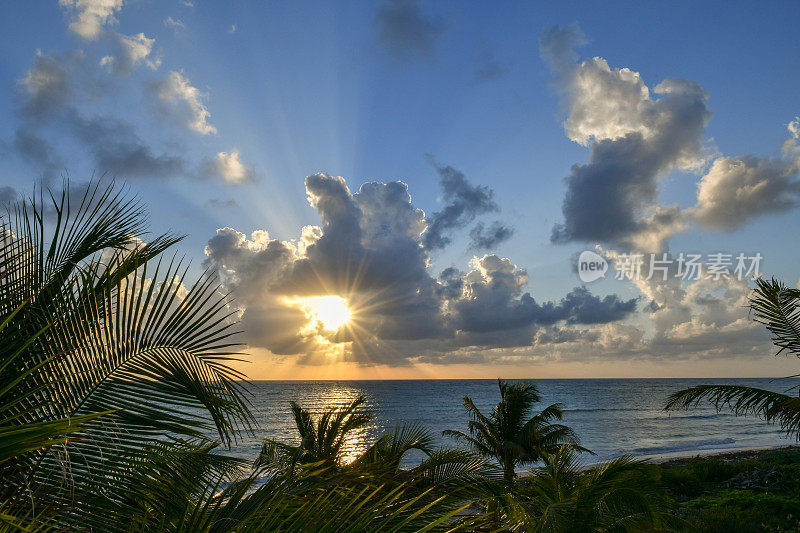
613	417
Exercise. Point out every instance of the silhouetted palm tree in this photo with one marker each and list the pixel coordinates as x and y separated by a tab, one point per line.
777	307
321	439
512	434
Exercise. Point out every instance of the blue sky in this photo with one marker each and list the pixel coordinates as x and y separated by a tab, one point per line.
387	91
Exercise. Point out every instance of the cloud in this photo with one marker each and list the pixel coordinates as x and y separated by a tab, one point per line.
49	99
61	93
117	148
634	140
8	195
216	203
493	300
738	189
32	148
232	29
91	16
794	128
177	97
369	249
707	317
557	47
486	238
582	307
489	68
463	203
47	86
404	29
131	51
175	24
228	166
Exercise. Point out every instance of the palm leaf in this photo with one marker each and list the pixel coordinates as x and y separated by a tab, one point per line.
771	406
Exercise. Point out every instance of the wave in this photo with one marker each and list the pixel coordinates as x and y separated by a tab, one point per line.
684	446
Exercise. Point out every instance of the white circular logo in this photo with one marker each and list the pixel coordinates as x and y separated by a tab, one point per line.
591	266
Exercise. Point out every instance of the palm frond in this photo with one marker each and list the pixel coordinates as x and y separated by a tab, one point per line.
771	406
778	307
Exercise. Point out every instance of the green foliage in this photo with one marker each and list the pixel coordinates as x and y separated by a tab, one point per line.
743	511
621	495
746	491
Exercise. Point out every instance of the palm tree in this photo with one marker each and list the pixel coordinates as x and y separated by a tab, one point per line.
105	358
443	483
321	439
512	435
777	307
620	495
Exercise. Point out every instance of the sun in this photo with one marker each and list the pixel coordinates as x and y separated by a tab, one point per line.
330	311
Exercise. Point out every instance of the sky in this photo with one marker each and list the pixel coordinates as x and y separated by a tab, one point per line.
403	189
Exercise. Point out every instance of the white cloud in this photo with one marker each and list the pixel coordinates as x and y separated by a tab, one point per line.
738	189
606	103
178	97
228	166
175	24
232	29
91	16
132	50
794	127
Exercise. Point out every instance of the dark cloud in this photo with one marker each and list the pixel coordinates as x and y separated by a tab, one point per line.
49	102
463	203
486	238
582	307
117	148
369	249
34	149
404	29
494	301
489	68
557	46
47	87
8	195
633	138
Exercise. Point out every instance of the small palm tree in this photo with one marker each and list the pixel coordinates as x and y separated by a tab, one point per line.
562	496
777	307
321	439
512	435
